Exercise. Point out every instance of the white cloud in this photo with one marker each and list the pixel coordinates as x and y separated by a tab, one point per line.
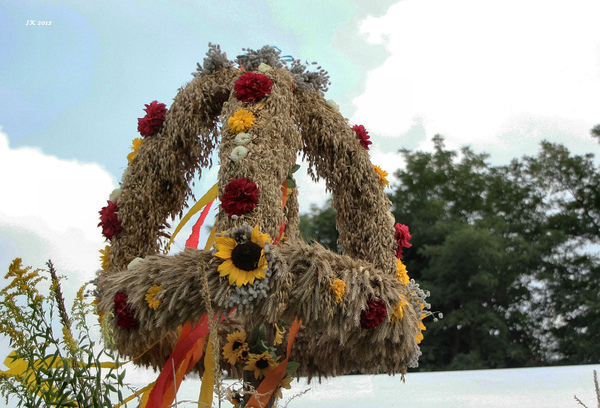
50	210
470	69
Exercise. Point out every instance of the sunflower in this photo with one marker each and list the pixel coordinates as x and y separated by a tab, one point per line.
236	347
243	262
383	181
261	364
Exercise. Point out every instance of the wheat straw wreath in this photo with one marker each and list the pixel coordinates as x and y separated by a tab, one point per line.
273	306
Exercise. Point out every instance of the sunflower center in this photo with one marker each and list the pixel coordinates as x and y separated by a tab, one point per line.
262	363
236	345
246	256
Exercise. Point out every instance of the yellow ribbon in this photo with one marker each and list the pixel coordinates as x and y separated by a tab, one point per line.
210	195
208	379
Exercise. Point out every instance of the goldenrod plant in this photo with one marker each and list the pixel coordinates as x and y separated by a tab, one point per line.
54	360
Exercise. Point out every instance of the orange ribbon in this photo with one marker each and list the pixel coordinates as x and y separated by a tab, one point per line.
187	353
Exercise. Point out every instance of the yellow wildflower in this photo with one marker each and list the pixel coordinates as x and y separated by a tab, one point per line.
278	335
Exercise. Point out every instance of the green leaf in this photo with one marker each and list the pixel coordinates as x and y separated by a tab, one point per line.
291	368
291	183
294	169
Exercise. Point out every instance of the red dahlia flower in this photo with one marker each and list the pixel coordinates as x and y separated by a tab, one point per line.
125	317
374	315
109	221
252	87
240	197
155	116
363	135
402	236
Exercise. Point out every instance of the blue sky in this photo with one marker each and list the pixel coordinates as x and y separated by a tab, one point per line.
497	75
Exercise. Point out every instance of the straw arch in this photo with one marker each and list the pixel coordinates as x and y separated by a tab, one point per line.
291	120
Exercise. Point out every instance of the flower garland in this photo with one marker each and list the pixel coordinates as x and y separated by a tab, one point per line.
155	116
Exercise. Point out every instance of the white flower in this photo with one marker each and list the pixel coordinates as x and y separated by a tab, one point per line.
238	153
114	196
243	139
133	263
332	105
262	68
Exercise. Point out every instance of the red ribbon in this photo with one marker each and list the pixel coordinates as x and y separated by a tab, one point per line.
193	240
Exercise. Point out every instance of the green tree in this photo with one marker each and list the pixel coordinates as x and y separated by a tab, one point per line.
509	254
472	224
569	293
319	225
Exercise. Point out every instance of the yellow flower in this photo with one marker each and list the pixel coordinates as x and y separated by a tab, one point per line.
244	262
261	364
338	288
399	310
422	327
136	143
382	176
151	299
278	335
241	121
236	347
105	257
402	274
285	383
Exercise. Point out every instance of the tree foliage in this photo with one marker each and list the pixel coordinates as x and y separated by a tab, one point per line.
506	251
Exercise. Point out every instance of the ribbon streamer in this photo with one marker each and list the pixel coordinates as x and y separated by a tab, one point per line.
194	238
210	195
